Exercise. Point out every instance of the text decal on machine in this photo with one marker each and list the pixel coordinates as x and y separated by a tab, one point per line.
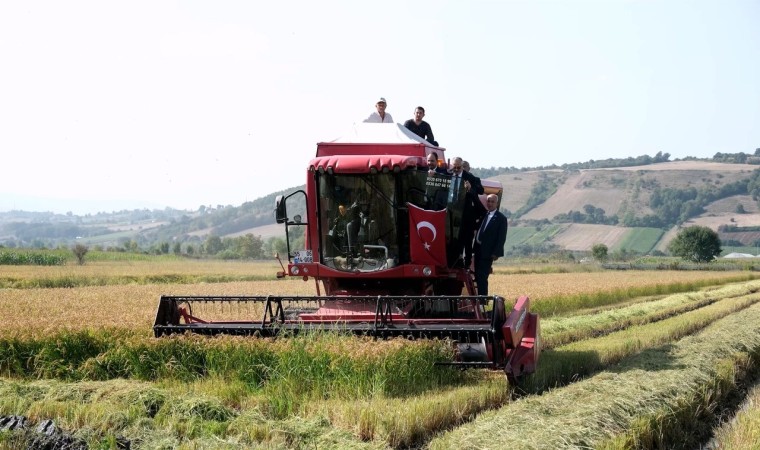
303	256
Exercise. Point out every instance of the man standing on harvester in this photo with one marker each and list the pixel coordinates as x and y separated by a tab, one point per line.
489	243
471	209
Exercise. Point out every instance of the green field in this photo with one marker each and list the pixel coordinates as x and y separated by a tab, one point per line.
640	240
531	235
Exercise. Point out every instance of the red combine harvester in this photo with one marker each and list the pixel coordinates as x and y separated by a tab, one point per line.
371	229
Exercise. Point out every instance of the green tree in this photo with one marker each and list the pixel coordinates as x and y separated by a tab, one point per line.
131	246
213	245
275	245
599	252
250	246
79	251
696	243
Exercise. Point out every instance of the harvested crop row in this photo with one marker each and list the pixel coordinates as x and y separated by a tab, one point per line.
570	295
399	427
287	372
658	384
407	421
559	331
743	432
569	362
148	416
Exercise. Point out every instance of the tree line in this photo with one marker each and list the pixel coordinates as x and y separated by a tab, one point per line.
248	246
642	160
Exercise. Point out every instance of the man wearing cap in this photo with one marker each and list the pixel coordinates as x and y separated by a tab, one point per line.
380	116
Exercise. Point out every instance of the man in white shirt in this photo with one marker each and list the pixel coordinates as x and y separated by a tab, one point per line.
379	116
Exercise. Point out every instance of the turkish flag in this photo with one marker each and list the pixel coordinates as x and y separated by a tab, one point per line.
427	236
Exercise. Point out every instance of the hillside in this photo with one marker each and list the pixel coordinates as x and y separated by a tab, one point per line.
518	186
626	192
631	208
620	190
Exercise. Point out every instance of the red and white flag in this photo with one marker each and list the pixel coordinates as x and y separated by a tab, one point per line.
427	236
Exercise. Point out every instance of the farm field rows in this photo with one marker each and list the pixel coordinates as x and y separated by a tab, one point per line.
743	431
632	359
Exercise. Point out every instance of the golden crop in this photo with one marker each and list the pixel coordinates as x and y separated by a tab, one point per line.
539	286
313	383
133	306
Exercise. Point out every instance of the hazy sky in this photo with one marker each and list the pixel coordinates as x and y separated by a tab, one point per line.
107	105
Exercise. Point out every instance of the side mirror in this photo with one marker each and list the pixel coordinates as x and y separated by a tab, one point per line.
280	212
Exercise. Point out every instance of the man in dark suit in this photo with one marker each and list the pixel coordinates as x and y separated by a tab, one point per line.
489	243
437	192
434	166
463	196
479	211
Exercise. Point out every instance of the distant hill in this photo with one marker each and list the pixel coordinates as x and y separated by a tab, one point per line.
144	228
616	206
634	208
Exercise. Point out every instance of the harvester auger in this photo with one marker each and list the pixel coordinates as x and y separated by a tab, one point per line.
375	240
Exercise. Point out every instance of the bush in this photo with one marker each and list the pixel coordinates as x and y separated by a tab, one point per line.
79	251
599	252
696	244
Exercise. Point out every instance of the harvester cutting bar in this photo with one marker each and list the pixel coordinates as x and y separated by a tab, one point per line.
468	364
460	318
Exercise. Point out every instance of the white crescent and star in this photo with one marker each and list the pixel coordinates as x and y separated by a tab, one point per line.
426	224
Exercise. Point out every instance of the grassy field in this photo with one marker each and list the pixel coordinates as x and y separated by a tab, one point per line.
640	240
530	235
743	431
632	359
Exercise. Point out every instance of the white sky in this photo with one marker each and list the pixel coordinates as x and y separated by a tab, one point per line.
107	105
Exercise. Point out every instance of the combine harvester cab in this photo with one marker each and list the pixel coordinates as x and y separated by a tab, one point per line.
373	229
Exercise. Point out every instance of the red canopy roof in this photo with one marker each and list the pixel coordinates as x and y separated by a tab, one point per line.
365	163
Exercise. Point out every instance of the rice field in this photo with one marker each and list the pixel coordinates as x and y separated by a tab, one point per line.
743	430
632	359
